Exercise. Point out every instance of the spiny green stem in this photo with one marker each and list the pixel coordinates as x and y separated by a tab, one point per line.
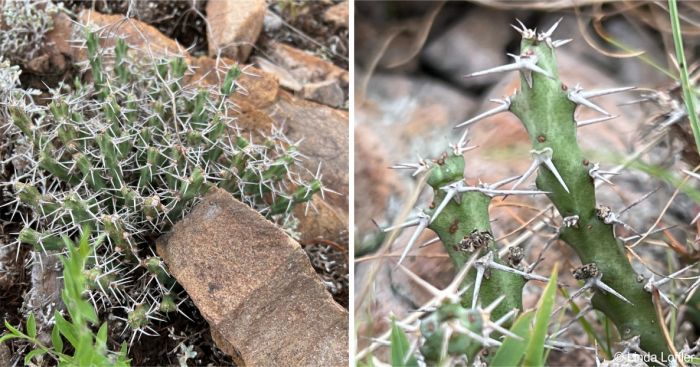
548	115
464	227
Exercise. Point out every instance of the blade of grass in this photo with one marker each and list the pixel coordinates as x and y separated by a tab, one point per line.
535	347
511	351
400	347
688	95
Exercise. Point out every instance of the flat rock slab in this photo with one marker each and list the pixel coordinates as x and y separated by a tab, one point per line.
234	26
141	37
255	286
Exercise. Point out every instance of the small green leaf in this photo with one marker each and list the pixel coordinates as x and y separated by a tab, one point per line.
535	347
122	357
400	348
7	337
35	353
511	351
31	326
66	329
13	330
101	339
86	311
56	339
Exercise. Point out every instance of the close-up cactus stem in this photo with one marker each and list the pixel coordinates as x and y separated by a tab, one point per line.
495	274
546	107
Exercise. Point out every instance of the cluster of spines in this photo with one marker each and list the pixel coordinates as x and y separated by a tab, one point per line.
127	155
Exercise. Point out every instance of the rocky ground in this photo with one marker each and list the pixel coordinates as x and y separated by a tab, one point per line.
296	80
410	62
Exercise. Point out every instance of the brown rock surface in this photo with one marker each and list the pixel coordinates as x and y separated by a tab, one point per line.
140	36
61	34
326	140
458	52
5	353
327	92
315	79
286	79
413	115
261	87
326	222
306	67
375	183
255	287
234	26
338	15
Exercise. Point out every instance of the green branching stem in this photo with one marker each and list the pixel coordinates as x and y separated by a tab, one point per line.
463	221
548	116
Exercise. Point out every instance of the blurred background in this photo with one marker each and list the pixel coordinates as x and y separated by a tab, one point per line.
410	60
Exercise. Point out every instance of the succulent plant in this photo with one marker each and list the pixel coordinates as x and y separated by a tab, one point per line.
126	152
494	275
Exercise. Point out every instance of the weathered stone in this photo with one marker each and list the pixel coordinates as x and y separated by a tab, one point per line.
337	15
5	353
261	87
327	92
255	286
325	222
234	26
326	141
255	121
306	68
272	22
61	34
141	37
287	80
52	62
317	80
413	115
466	47
374	180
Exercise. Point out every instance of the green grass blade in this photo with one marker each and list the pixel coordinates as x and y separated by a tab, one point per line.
56	340
688	95
400	348
511	351
535	347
